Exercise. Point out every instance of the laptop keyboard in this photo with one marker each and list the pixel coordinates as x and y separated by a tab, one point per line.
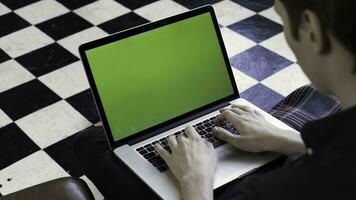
204	130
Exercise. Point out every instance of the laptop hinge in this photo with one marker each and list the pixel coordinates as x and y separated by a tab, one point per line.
177	123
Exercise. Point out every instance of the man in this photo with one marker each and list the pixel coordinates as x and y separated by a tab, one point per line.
322	34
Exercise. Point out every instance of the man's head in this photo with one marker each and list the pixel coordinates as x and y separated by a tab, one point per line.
322	34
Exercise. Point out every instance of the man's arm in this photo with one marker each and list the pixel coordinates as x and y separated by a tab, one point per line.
289	143
193	162
193	188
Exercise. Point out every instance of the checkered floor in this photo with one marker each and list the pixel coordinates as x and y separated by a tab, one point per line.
44	95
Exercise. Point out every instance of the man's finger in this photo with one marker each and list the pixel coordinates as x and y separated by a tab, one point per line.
224	135
242	107
238	111
258	113
172	142
231	117
190	132
223	110
235	140
162	152
218	119
208	144
242	111
180	138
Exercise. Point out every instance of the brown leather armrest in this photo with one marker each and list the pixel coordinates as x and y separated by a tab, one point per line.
58	189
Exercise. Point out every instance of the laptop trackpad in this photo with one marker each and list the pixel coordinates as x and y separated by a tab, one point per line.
234	163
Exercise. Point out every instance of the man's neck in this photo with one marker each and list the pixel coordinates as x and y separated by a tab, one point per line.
341	64
347	98
345	91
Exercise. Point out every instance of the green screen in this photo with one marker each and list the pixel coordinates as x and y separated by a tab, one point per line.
149	78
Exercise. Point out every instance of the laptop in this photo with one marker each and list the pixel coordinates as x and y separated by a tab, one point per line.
153	80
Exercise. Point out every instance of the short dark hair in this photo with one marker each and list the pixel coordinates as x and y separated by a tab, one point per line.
336	16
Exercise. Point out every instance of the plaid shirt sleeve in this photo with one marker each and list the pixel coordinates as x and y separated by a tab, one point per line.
304	105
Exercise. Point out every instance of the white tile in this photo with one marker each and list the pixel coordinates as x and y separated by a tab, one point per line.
99	124
4	119
73	42
24	41
31	170
53	123
229	12
287	80
234	42
97	195
243	81
160	9
41	11
279	45
3	9
66	81
101	11
272	15
13	74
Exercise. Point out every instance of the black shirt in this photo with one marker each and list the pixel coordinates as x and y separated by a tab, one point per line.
327	172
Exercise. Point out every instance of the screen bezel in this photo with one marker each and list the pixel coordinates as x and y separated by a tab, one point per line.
140	29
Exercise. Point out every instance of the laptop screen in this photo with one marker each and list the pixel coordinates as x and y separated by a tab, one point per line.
155	76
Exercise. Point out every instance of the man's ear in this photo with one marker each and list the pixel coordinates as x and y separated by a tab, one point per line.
314	32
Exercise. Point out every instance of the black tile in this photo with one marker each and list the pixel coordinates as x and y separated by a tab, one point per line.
64	25
26	98
15	4
196	3
259	62
123	22
84	103
63	153
257	28
262	96
3	56
46	59
135	4
14	145
10	23
74	4
256	5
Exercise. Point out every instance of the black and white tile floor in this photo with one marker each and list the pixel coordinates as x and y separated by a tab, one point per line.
44	95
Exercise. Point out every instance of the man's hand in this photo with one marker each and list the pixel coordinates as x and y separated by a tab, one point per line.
256	134
193	162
